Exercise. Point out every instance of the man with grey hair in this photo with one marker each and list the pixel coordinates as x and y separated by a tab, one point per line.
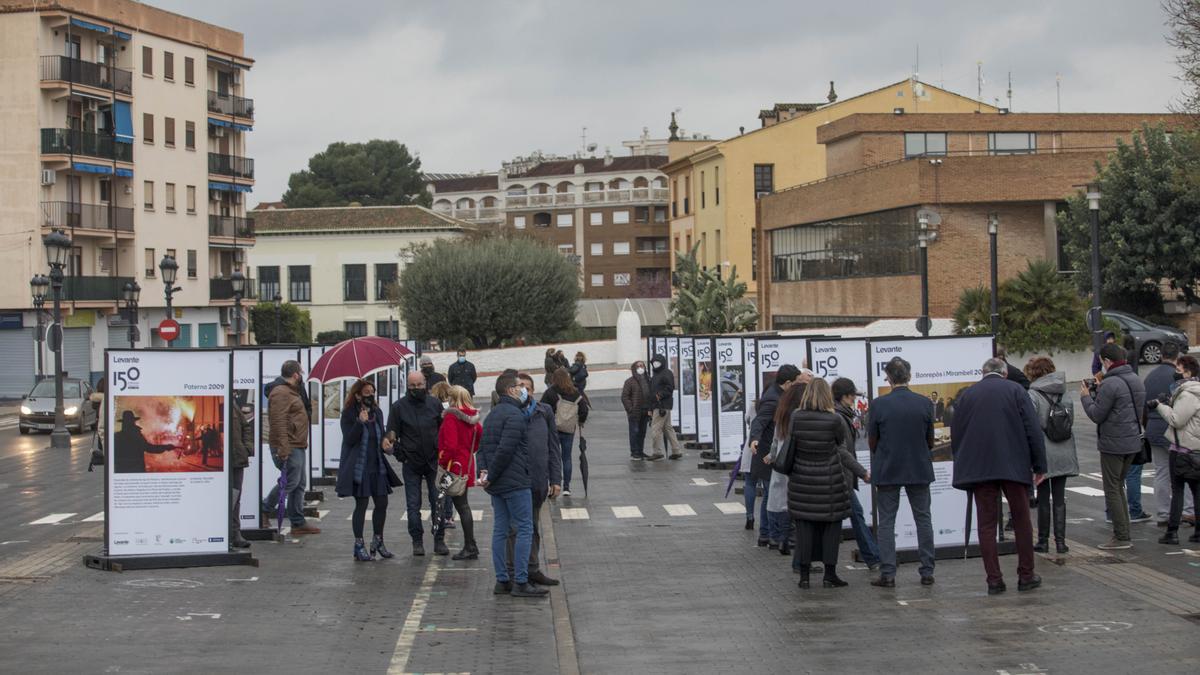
999	449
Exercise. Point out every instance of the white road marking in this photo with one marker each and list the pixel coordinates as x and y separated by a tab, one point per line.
412	623
424	514
95	518
1146	490
477	514
730	508
627	512
573	514
322	513
679	510
250	579
52	519
1087	491
702	482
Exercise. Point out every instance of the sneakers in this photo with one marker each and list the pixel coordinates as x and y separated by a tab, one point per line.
1030	583
640	457
1142	517
1115	544
655	457
239	542
678	455
528	590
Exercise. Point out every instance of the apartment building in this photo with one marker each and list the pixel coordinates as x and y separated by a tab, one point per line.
845	249
126	127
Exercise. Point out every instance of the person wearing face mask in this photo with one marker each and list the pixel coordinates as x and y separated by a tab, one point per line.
462	373
579	372
545	475
458	441
635	398
414	422
365	475
662	399
432	377
288	422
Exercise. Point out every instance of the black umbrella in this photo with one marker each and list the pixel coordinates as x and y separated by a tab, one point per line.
583	464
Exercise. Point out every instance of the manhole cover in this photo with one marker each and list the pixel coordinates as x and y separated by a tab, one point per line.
163	583
1081	627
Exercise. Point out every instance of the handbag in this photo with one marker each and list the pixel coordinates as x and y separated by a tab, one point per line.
1143	456
1185	464
456	485
98	458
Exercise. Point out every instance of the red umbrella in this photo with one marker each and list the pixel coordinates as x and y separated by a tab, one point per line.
357	358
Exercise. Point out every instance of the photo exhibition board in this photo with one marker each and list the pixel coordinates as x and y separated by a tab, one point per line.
673	364
687	386
833	358
704	385
729	398
246	385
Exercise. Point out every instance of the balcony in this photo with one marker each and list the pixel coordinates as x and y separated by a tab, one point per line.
98	75
231	165
229	104
70	141
471	213
101	289
89	216
221	288
230	226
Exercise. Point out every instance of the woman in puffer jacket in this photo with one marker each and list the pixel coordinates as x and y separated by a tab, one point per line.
818	492
1183	417
1048	387
458	441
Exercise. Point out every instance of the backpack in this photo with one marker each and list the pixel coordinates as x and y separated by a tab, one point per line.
1058	420
566	415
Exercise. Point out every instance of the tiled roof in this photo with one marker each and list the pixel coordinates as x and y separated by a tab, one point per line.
780	107
353	218
467	183
566	167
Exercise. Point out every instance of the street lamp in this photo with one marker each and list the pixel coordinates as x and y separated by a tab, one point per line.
132	294
238	282
1094	316
169	269
58	247
278	308
923	243
993	228
37	287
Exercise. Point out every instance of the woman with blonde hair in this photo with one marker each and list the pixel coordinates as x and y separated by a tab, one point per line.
363	472
441	391
458	441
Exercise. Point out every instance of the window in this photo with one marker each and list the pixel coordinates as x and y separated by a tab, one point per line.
754	256
597	280
148	195
675	198
169	132
170	197
620	248
1012	143
565	220
105	190
621	279
702	195
652	245
171	254
299	283
75	262
519	222
717	185
660	214
191	199
566	249
189	70
388	329
597	248
151	264
385	277
541	219
191	263
764	179
354	284
356	328
189	135
919	145
874	245
147	61
641	214
596	218
687	191
620	217
268	283
168	66
147	128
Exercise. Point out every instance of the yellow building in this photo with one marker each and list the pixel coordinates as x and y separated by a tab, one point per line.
714	188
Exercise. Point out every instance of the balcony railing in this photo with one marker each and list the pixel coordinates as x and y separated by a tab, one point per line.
221	288
517	201
94	288
94	216
230	104
230	226
70	141
99	75
472	213
230	165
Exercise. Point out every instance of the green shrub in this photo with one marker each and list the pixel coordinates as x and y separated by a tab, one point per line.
1039	312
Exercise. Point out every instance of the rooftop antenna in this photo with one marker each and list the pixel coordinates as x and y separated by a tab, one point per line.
583	141
979	86
1058	90
1010	90
941	70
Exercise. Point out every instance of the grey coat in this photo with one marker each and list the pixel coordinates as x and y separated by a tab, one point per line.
1115	412
1061	459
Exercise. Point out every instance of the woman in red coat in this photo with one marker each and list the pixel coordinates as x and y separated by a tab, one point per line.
458	440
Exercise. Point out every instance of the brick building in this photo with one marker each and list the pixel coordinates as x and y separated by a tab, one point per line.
844	249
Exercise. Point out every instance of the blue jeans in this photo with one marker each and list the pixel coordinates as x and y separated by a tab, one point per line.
294	488
567	441
512	509
867	548
637	433
412	498
889	504
749	492
779	526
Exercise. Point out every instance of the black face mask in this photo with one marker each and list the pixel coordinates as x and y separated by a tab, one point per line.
417	394
657	365
369	401
426	369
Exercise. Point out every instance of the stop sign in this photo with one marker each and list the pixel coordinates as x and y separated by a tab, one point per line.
168	329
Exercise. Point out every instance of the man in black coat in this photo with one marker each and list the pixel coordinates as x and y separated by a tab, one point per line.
662	392
432	377
414	421
462	372
762	430
999	448
545	476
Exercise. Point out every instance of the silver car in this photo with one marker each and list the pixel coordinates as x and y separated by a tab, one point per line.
37	408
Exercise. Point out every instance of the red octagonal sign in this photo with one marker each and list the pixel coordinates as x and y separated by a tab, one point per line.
168	329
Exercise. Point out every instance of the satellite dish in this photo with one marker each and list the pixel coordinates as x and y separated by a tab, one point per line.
931	216
591	147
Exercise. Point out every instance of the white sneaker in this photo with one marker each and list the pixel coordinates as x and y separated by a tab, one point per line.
566	493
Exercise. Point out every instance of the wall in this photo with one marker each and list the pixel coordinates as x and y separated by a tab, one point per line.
20	149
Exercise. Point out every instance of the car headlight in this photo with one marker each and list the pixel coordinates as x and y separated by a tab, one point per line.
26	410
71	410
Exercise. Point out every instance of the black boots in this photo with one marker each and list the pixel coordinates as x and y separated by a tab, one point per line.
468	552
378	547
831	579
804	570
1060	527
439	546
418	547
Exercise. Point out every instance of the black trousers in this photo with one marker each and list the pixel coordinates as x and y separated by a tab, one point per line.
378	516
1177	486
465	520
818	539
1051	495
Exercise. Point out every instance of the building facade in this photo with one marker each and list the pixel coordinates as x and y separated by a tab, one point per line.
338	263
125	127
845	249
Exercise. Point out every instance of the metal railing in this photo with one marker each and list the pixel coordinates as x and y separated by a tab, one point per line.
70	141
230	165
230	104
94	216
94	288
99	75
221	288
230	226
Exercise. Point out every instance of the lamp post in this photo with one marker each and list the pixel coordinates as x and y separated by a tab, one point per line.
58	247
993	228
1095	315
170	270
923	243
132	293
238	282
278	308
37	287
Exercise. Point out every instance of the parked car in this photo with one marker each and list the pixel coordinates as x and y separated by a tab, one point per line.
37	408
1148	338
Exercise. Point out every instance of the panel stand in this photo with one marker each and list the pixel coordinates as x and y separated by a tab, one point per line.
120	563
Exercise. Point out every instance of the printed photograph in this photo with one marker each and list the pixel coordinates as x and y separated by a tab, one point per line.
704	390
733	394
169	434
942	395
687	377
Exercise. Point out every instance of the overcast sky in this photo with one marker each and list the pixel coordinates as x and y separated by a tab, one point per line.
469	84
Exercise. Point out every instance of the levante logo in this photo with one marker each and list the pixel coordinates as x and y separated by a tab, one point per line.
127	379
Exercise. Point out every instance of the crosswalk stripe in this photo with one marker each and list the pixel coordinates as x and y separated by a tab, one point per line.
1088	491
627	512
477	514
679	510
97	518
321	513
424	515
730	508
52	519
573	514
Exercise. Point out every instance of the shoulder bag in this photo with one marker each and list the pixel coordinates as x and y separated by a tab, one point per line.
1185	463
456	484
1143	456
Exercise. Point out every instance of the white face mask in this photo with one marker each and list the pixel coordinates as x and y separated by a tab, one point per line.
445	405
641	371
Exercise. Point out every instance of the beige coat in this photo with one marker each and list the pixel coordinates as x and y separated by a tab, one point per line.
1183	415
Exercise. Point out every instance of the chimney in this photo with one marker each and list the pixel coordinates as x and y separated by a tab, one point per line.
608	158
832	94
674	129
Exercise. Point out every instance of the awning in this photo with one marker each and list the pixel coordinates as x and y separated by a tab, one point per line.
227	62
88	25
125	173
603	313
92	168
229	187
232	125
124	122
122	35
